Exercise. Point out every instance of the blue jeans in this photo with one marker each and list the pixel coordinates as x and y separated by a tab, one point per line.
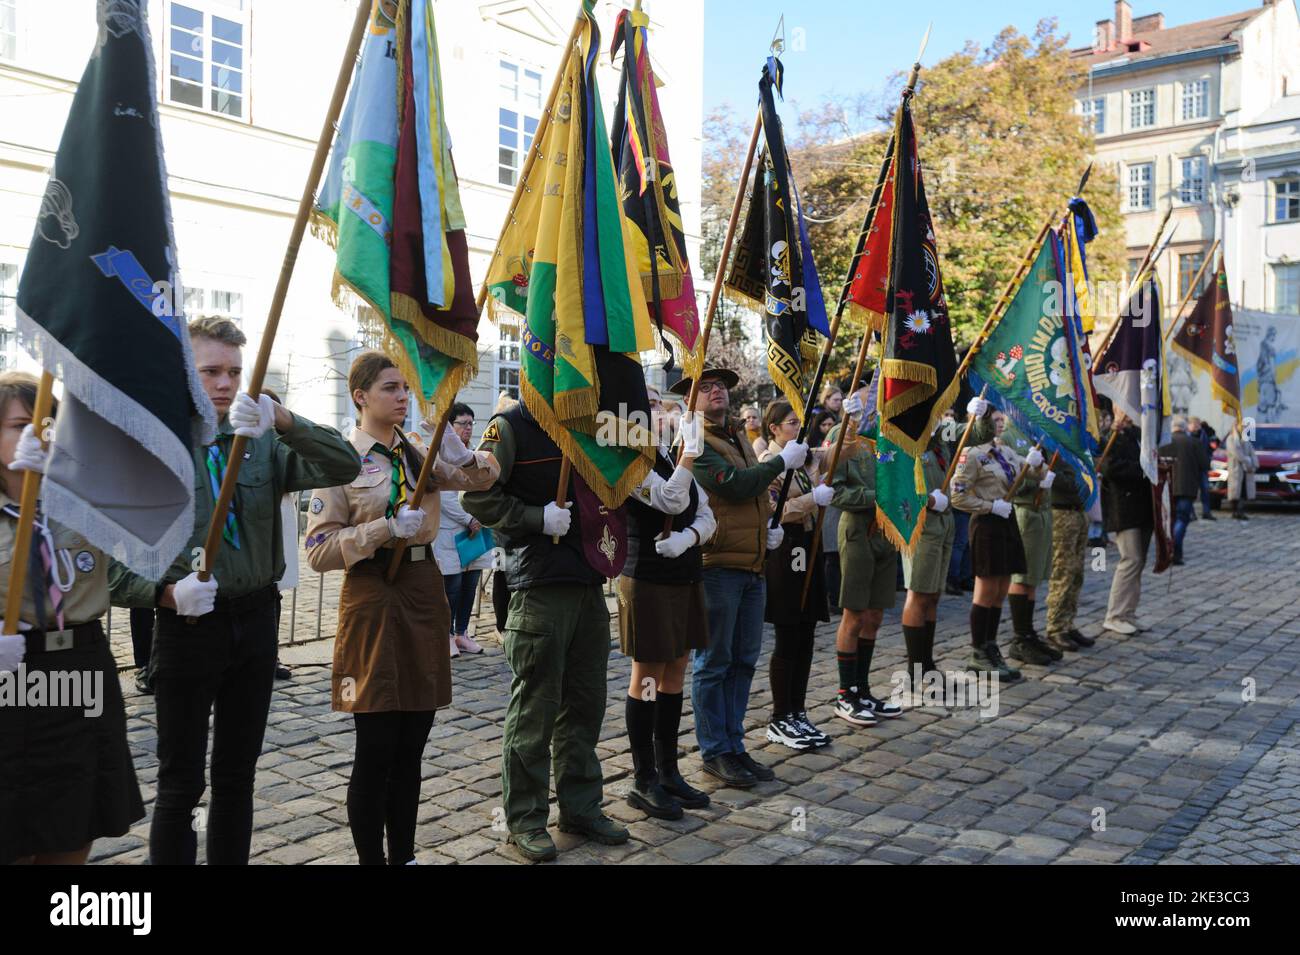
722	674
1205	493
461	589
959	566
1183	507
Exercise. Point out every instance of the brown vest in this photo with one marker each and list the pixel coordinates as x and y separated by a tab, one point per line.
740	541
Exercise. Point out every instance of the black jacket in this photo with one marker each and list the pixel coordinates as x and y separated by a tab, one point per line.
1191	458
1126	500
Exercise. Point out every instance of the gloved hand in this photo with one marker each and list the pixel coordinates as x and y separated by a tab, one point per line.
938	501
28	454
406	522
977	407
1002	508
794	454
822	494
556	520
675	544
194	597
250	416
1046	482
692	431
12	650
852	405
453	449
1034	458
774	537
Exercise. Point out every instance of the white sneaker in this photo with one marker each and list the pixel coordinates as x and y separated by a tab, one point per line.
787	733
455	650
1120	626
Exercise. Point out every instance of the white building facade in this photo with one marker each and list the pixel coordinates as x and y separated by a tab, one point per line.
242	89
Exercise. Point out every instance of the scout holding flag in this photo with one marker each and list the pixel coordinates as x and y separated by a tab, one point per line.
565	263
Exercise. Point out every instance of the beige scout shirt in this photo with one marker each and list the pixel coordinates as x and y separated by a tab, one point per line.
346	524
78	567
984	474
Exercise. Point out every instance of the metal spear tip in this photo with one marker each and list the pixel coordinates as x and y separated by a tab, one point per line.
925	41
778	37
1083	181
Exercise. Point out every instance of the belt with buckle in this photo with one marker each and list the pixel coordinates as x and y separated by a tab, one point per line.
49	641
412	555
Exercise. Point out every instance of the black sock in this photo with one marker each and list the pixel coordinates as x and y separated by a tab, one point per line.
929	645
995	621
914	640
640	716
668	717
778	673
979	624
865	649
848	665
1022	620
800	668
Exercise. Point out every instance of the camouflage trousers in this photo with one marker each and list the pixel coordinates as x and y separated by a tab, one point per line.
1069	546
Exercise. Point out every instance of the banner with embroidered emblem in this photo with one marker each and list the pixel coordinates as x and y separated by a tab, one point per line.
565	264
773	269
604	530
99	308
1205	340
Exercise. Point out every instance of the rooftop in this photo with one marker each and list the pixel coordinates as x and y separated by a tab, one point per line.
1132	40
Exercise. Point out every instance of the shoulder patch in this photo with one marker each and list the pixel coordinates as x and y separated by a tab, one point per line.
964	455
85	561
493	433
317	505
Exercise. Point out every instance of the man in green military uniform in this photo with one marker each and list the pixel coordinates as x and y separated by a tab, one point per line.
215	640
556	641
1069	542
1033	507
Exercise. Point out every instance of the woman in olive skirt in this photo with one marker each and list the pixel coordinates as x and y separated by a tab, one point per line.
786	569
66	777
661	619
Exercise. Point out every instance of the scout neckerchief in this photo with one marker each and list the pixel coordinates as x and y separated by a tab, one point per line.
44	572
1006	467
397	486
217	462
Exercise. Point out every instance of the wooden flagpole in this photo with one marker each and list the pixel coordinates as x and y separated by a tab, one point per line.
27	511
1209	257
961	445
1020	478
258	376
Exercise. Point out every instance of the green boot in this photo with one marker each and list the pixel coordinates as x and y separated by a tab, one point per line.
598	828
534	846
988	658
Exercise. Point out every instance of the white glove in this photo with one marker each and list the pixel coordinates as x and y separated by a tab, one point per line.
407	522
251	417
977	407
195	597
852	405
12	651
774	537
794	454
28	454
938	501
692	431
675	544
556	520
1034	458
822	494
453	449
1047	479
1001	508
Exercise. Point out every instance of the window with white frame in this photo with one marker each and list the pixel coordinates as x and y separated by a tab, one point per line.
1141	108
1192	188
1196	99
1139	186
8	29
1094	111
1286	200
508	356
8	315
1286	288
518	114
207	55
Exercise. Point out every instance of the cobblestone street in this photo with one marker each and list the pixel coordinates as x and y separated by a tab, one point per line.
1178	744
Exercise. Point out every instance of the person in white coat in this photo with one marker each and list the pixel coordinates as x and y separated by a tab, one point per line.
1243	462
461	580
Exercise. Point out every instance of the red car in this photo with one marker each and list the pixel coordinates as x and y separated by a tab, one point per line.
1278	477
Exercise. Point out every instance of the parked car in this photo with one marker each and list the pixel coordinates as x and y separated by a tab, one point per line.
1278	477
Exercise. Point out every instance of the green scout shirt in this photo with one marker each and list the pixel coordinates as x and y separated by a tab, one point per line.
305	457
493	507
855	494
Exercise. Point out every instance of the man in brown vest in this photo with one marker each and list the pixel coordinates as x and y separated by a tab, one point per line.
734	586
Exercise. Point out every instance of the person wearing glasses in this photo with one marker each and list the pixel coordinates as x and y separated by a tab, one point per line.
460	580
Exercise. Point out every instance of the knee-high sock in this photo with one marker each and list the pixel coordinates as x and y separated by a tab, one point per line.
865	649
1022	614
640	716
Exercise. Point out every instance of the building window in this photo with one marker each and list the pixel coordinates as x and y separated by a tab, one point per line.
8	315
1196	99
1139	186
8	29
206	46
1192	188
1286	288
1094	111
1132	272
1286	200
508	356
225	304
517	118
1189	263
1141	108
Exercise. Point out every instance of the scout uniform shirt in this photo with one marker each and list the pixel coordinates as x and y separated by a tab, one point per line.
78	575
855	494
985	473
346	524
251	556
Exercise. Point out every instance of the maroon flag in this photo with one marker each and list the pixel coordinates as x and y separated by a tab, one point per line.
1205	340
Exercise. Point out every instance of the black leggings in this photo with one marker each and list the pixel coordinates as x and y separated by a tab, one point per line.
385	787
789	668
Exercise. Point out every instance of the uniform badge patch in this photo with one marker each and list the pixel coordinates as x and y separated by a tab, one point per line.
85	561
317	505
493	433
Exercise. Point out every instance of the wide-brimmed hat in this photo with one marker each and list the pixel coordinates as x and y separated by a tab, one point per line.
727	376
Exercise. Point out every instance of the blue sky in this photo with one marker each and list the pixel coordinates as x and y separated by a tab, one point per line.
852	46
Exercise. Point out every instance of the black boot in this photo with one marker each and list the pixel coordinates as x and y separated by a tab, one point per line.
646	793
668	722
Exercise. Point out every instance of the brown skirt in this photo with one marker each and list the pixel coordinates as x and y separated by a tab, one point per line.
391	651
996	549
659	623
